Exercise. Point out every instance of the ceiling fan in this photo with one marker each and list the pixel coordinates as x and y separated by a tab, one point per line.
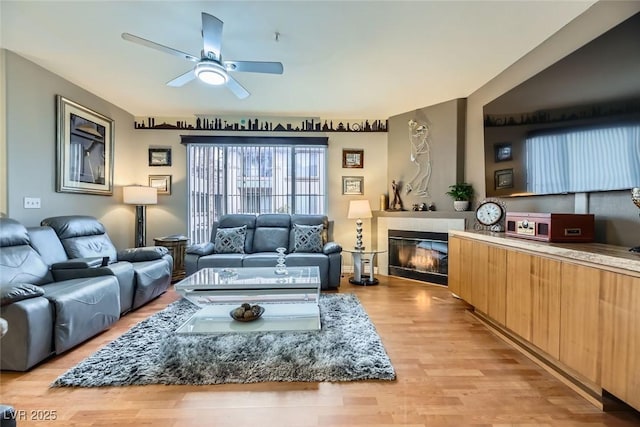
210	68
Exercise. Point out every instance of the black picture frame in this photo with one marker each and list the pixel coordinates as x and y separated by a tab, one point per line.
503	178
352	158
503	152
159	156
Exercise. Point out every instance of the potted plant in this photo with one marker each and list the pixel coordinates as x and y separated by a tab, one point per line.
461	195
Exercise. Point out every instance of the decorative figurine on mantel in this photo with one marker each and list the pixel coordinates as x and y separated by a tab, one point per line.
396	203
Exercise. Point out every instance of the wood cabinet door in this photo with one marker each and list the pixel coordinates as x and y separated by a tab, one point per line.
466	270
546	281
479	258
533	300
620	320
496	279
455	263
519	294
580	320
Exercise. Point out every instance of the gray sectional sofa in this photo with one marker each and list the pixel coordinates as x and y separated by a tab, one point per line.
240	240
64	282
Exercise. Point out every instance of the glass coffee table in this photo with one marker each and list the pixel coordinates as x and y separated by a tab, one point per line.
290	300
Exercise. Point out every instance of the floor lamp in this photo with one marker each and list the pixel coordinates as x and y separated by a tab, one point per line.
359	209
141	197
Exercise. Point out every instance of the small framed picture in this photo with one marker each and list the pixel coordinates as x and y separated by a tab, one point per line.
159	156
503	178
162	183
352	158
502	152
353	185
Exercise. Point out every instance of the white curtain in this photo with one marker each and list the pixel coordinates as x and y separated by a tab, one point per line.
584	160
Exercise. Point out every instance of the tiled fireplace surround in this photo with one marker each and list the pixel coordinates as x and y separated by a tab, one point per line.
438	222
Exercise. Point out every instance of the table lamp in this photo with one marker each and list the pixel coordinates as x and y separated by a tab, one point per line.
140	196
359	209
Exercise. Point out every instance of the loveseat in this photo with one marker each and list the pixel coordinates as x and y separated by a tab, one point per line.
56	293
242	240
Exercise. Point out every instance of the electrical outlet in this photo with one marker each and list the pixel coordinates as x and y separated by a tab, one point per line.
32	202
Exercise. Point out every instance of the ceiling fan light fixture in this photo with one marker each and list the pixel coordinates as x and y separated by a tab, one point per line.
211	73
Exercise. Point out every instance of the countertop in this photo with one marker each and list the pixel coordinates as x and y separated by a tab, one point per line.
601	255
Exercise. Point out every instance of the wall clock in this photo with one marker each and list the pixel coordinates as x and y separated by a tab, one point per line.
490	215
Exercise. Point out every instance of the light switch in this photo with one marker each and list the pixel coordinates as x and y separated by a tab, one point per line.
32	202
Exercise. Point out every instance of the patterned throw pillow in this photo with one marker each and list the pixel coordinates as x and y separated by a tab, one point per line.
230	240
307	238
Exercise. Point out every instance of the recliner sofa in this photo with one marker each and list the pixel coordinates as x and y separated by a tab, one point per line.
53	302
242	240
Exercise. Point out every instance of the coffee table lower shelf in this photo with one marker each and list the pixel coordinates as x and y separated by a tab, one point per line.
215	319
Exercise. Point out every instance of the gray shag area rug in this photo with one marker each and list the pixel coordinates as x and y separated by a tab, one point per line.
347	348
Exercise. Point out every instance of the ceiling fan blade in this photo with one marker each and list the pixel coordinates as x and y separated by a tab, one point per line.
237	88
157	46
254	66
211	36
182	79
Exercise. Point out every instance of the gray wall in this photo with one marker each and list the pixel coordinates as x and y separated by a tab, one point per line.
30	153
446	122
31	148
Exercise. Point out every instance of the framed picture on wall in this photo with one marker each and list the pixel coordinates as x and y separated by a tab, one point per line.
84	150
353	185
159	156
502	152
503	178
352	158
162	183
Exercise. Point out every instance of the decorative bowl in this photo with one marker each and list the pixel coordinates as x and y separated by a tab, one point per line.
256	311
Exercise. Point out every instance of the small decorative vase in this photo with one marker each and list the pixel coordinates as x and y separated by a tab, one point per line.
281	268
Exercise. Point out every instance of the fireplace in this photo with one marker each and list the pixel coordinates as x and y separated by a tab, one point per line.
419	255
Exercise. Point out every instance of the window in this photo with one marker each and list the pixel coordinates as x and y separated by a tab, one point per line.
253	179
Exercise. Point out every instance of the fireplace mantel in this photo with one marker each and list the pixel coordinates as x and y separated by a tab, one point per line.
436	221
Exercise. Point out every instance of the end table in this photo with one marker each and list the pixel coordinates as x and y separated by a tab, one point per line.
360	259
177	246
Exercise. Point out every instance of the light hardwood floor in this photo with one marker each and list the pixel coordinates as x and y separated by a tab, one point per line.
451	371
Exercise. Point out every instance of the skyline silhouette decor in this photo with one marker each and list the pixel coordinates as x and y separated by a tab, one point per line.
264	124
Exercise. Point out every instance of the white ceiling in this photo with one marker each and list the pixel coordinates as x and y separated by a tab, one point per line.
342	59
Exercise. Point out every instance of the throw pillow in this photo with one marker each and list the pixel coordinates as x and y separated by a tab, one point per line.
230	240
307	238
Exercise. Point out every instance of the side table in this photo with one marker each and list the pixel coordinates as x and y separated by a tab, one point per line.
177	246
360	259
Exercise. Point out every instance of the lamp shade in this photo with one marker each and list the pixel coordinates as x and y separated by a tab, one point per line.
140	195
359	209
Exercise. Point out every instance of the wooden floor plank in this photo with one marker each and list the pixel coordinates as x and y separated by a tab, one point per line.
451	371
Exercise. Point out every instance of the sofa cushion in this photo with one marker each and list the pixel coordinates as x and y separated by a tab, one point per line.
307	238
220	261
22	264
238	220
68	226
45	241
90	246
267	239
83	308
82	236
10	293
147	253
12	233
230	240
